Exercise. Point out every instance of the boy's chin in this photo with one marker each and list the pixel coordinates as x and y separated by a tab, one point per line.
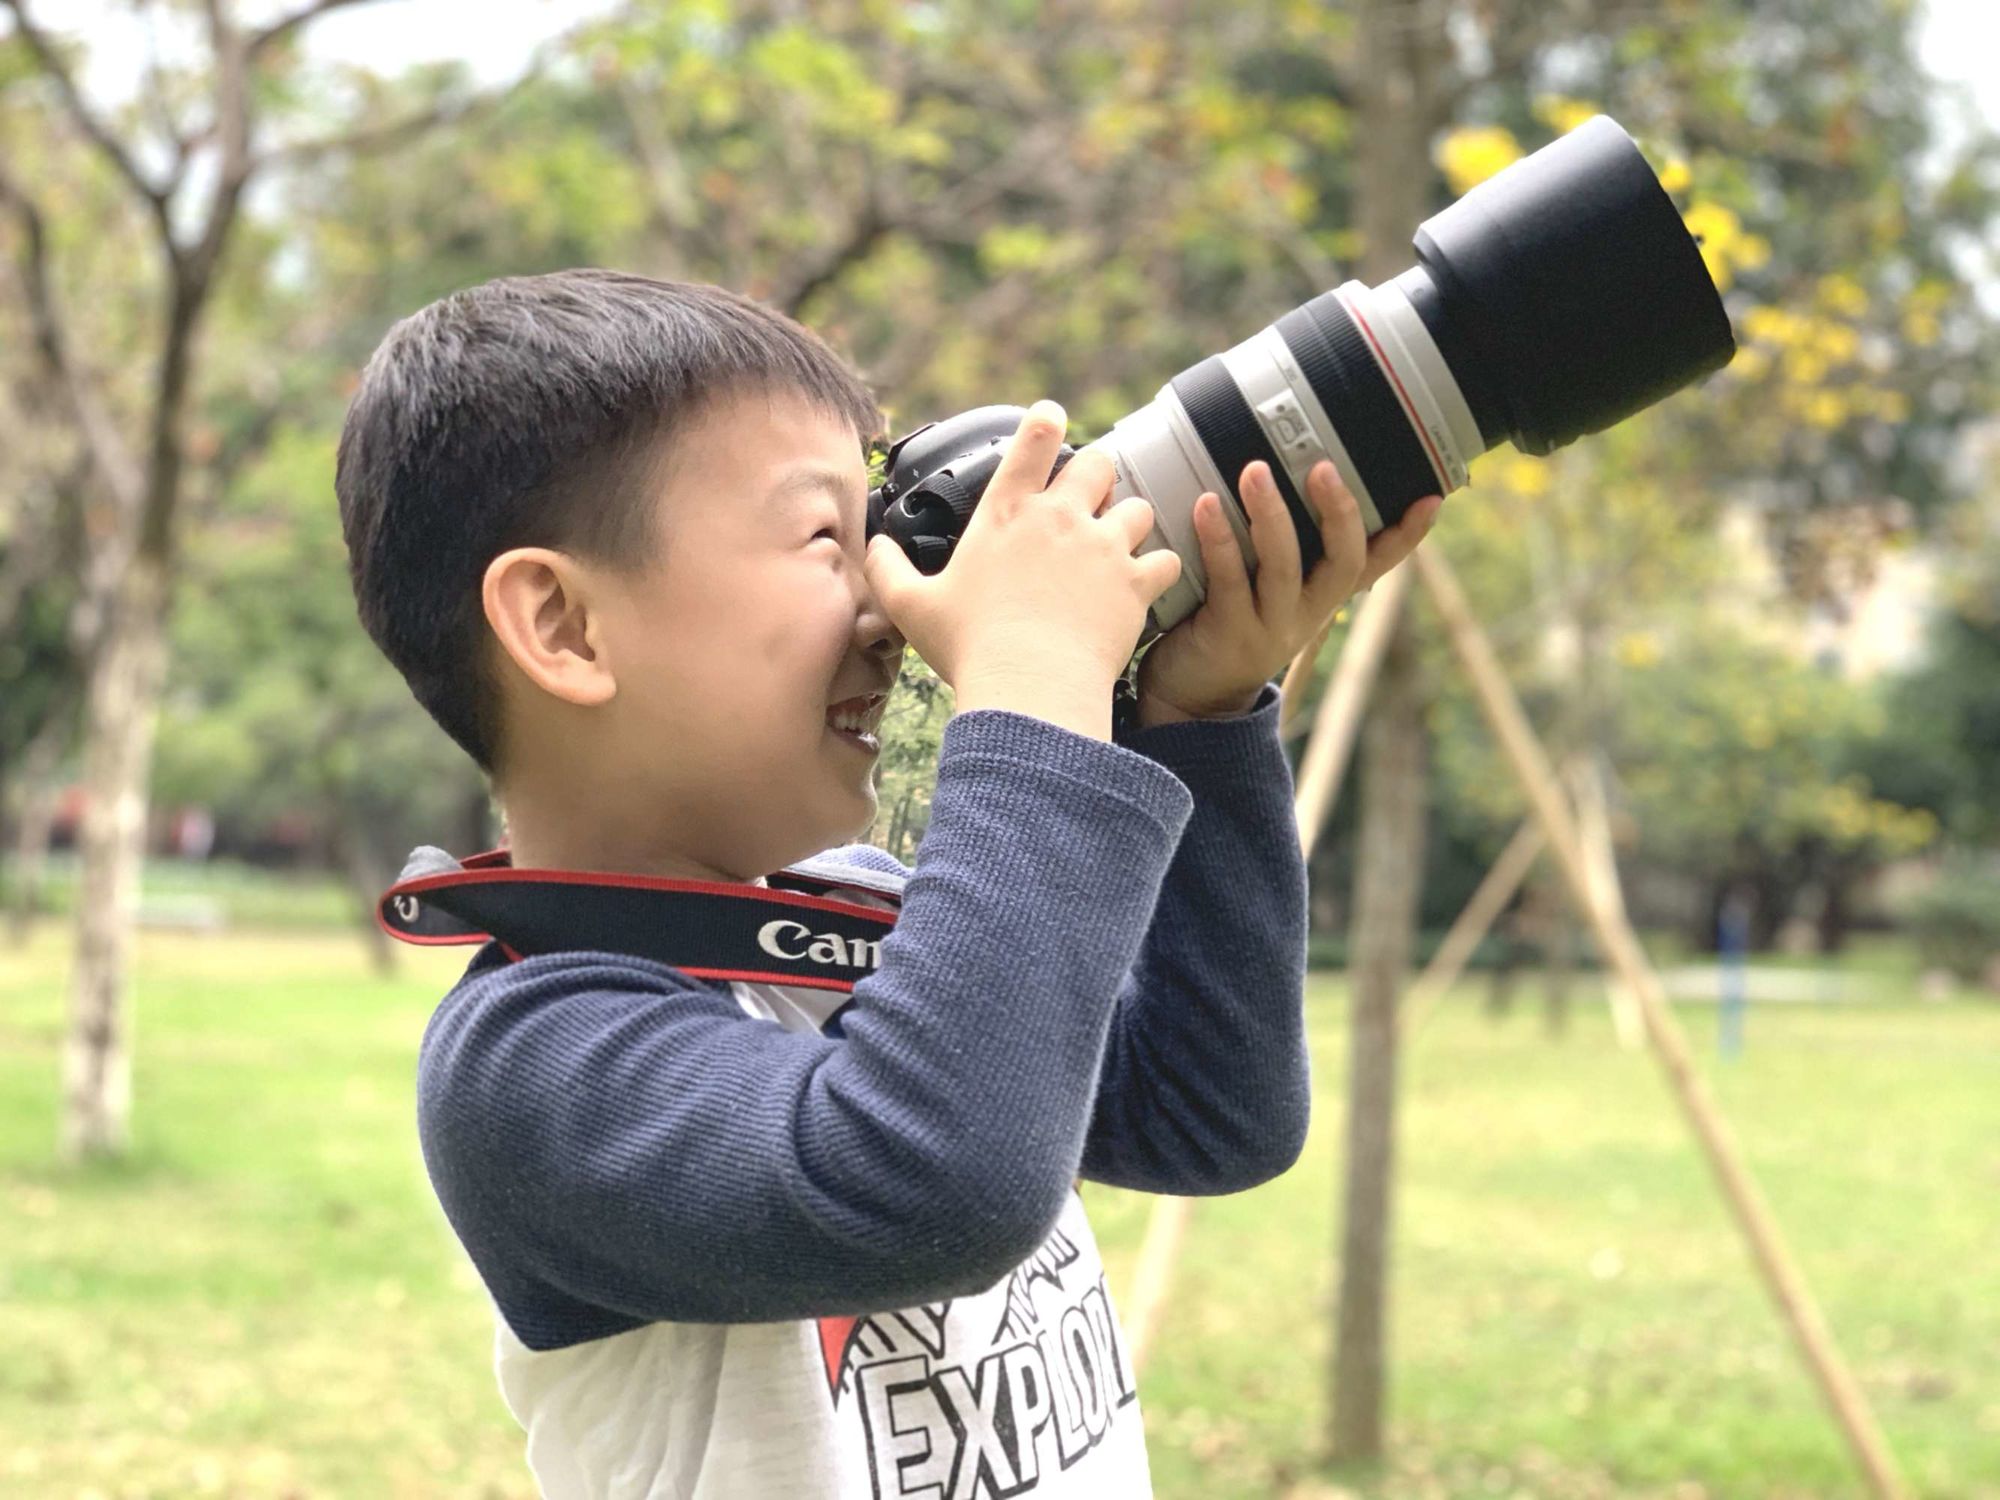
855	829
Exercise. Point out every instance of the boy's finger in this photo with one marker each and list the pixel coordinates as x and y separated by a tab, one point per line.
1086	480
1390	546
1273	536
1343	537
1133	516
889	572
1229	591
1159	570
1031	453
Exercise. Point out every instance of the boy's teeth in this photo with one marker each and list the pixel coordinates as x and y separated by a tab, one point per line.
857	721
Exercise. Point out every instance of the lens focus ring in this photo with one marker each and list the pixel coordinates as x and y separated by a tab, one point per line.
1373	426
1230	432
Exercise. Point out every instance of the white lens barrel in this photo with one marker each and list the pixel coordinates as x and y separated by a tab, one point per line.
1155	454
1410	362
1158	454
1293	421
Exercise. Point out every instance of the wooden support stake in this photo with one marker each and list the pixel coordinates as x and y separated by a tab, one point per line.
1339	719
1494	892
1153	1274
1620	945
1320	772
1594	829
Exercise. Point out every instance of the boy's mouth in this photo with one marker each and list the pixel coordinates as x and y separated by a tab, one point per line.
857	720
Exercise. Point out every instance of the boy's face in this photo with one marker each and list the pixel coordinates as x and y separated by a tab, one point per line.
718	755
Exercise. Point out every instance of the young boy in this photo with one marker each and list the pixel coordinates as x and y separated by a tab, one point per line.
750	1239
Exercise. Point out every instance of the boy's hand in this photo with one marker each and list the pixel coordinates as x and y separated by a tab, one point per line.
1215	662
1043	600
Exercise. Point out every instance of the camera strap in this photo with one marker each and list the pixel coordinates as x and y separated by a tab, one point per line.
791	932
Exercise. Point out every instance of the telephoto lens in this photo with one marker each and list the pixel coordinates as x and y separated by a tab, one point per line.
1555	299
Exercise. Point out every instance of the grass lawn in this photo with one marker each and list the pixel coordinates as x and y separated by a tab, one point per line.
265	1301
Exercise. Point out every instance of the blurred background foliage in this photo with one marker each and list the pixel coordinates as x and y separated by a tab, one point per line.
1766	608
983	203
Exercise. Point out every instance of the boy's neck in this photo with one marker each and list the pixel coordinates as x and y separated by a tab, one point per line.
533	846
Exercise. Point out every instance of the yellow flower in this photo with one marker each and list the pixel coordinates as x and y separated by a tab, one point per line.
1826	410
1805	367
1773	325
1526	475
1675	176
1750	364
1926	300
1844	295
1470	155
1639	649
1891	406
1838	342
1724	245
1562	114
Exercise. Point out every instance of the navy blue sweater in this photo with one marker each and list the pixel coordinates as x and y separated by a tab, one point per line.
1096	972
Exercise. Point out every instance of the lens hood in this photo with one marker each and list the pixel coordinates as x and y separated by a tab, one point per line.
1571	289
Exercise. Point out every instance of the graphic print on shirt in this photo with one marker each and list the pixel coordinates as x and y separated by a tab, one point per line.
984	1424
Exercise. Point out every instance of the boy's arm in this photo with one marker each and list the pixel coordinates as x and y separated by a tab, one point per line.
1205	1086
616	1144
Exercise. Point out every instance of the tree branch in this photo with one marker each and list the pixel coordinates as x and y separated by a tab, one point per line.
84	117
107	448
194	266
154	95
284	26
866	230
372	137
396	132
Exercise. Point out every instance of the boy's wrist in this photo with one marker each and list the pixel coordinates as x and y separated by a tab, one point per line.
1073	703
1154	710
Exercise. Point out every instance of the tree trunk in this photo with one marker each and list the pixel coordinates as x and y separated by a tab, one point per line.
1389	874
899	823
1401	55
121	709
366	880
1835	912
1560	973
39	789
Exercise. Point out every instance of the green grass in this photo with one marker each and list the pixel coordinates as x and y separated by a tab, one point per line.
265	1300
180	891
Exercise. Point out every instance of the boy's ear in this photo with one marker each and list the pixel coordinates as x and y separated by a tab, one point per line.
539	603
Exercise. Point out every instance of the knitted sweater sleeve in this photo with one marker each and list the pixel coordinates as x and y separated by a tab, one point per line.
1205	1086
615	1143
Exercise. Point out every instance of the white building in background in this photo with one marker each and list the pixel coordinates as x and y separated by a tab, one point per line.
1885	621
1876	627
1884	612
1882	629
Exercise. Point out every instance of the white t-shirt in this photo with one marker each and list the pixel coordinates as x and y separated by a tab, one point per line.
1026	1389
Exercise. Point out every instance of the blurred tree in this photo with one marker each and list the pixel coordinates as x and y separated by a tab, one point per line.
987	203
1399	78
1938	743
139	437
277	705
1863	356
1665	644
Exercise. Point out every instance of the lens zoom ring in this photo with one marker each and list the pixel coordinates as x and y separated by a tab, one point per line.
1230	432
1374	428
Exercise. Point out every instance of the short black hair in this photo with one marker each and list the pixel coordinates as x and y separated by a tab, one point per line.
532	411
